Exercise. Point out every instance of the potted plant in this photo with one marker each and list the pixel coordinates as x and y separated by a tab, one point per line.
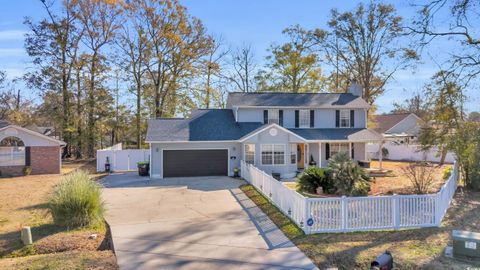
143	168
236	172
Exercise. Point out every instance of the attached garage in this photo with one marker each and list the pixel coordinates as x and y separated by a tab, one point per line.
195	162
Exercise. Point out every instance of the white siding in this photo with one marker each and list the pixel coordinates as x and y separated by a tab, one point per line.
324	118
27	138
409	125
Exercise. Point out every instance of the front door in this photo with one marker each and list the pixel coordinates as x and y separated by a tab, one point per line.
300	156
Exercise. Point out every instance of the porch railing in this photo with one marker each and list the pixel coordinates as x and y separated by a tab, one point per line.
344	214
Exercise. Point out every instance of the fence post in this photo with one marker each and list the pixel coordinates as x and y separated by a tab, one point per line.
306	228
396	211
438	211
343	203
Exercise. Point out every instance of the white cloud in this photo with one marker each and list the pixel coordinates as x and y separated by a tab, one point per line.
12	35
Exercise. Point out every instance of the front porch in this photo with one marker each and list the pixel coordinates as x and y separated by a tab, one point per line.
274	149
291	158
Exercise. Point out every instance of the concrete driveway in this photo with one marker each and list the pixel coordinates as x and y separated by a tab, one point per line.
193	223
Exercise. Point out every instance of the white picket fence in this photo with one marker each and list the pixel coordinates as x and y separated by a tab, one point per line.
121	160
345	214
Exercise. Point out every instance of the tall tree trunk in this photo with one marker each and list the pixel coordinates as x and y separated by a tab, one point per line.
91	107
138	114
79	148
207	95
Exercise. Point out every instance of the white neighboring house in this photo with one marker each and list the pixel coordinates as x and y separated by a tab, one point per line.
401	132
399	128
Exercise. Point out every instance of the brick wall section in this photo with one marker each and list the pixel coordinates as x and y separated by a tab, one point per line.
45	159
11	170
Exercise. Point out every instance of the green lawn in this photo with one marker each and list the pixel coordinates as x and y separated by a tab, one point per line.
411	249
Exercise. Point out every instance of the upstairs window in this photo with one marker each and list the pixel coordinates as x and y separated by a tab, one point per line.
344	118
273	117
304	116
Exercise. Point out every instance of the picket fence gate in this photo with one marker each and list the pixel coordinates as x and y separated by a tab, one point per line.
346	214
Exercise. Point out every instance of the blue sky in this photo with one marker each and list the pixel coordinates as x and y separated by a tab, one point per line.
243	21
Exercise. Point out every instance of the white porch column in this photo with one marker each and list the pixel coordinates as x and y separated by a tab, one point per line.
350	150
306	155
319	155
380	155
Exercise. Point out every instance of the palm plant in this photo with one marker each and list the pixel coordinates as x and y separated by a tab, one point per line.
348	177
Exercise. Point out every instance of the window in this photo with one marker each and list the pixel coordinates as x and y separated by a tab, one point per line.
249	155
344	118
279	154
12	152
273	116
293	153
273	154
336	148
304	120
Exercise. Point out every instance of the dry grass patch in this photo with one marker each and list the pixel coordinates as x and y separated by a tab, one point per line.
24	201
101	260
397	182
411	249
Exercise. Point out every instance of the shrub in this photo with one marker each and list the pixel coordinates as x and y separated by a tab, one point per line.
348	178
314	177
447	172
142	163
421	175
27	170
76	201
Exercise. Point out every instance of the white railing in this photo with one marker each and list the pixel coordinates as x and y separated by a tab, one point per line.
344	214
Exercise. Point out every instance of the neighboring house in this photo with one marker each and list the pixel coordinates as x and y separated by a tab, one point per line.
400	128
48	131
20	147
277	132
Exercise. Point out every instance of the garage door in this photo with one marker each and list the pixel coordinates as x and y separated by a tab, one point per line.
177	163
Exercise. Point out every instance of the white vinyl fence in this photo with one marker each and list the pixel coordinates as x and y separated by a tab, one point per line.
121	160
344	214
410	152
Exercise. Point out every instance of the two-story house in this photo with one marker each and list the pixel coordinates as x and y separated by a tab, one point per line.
277	132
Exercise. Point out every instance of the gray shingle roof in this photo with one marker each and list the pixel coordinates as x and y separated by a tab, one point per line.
204	125
337	134
385	122
4	123
318	100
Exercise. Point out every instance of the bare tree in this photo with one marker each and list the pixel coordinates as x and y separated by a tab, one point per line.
363	45
213	66
421	176
452	20
244	68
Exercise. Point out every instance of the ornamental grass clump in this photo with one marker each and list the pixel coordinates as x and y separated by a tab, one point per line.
76	201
